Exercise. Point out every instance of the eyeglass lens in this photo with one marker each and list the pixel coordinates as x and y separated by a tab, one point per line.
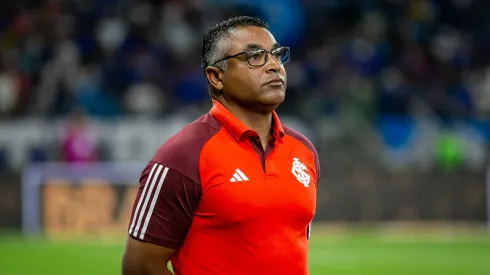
259	57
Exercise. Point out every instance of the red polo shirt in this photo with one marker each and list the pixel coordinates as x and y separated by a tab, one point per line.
226	205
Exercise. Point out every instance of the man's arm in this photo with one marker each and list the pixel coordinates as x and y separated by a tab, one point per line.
161	217
142	258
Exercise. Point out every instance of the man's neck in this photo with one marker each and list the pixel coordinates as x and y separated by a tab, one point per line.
261	123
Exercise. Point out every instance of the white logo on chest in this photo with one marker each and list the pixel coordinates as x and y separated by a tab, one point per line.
299	171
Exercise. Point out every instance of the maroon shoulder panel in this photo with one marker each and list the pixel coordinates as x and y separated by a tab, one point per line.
170	187
181	152
301	138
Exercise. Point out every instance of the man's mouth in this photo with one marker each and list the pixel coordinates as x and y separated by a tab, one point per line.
275	82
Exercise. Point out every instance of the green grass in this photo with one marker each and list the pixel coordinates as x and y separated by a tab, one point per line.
354	253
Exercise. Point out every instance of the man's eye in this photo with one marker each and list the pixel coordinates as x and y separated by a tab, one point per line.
277	53
255	55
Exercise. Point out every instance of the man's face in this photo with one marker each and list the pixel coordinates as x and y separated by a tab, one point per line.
250	86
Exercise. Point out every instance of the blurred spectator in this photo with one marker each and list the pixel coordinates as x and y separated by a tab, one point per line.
145	99
481	91
13	84
78	140
8	92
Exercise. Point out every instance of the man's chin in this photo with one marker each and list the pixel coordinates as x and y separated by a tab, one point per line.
274	97
271	101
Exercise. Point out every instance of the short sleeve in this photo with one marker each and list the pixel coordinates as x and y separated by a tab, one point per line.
164	206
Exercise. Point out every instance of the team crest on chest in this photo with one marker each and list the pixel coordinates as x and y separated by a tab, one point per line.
299	170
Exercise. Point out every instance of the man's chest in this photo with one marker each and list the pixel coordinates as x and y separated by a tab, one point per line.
241	187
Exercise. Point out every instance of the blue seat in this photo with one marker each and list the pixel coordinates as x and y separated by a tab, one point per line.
396	132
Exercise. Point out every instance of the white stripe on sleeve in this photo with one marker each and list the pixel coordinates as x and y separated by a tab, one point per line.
142	197
153	202
147	198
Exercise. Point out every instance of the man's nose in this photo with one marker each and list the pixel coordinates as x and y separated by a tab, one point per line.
272	64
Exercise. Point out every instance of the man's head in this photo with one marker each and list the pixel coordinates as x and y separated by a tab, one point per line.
243	64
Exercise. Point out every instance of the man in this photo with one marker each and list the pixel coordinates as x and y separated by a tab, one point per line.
233	192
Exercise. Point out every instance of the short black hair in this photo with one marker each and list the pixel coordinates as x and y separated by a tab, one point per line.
211	51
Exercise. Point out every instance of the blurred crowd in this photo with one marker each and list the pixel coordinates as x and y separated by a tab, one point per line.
114	58
379	86
370	62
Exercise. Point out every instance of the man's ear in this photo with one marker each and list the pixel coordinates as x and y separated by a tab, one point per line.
214	76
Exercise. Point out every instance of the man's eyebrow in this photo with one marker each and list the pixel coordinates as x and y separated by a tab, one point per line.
254	46
276	45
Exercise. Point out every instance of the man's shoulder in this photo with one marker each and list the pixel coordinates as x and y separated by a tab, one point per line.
182	150
299	137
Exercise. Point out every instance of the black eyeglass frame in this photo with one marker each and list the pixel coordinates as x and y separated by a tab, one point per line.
249	51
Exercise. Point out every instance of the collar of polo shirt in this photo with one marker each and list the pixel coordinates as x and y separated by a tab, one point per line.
237	128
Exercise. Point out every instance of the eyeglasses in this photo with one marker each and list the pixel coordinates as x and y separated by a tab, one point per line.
259	57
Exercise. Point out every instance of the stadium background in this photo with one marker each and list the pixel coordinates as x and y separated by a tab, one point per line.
395	95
